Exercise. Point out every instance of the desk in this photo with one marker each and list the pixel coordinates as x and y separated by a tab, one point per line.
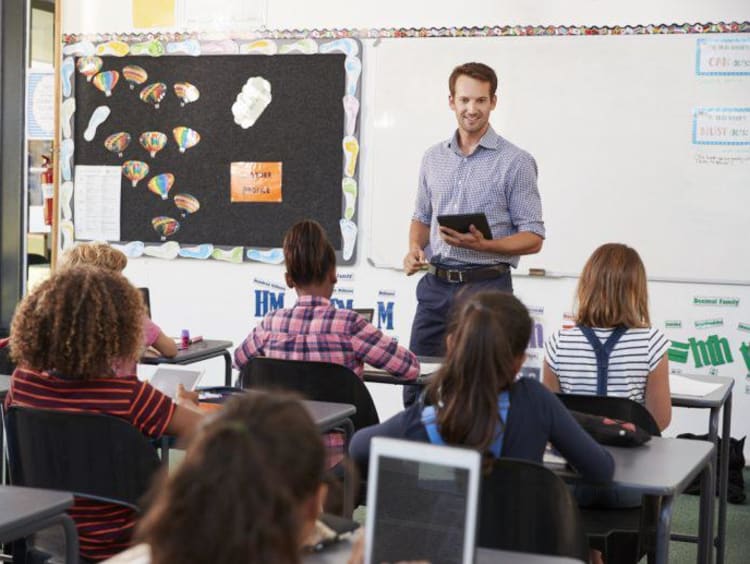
377	375
721	397
339	554
24	511
197	352
328	415
664	467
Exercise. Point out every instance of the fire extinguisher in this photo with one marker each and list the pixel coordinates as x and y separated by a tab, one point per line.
48	189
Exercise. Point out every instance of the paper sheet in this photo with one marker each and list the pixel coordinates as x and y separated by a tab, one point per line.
425	368
97	202
682	386
153	13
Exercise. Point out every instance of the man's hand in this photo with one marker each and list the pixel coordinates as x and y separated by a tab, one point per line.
473	240
414	261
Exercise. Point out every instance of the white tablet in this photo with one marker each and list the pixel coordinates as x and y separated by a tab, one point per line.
422	502
167	377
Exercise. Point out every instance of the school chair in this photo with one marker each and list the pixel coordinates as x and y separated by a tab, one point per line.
91	455
320	381
623	535
525	507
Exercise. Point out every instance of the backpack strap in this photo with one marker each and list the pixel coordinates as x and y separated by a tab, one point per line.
603	352
429	420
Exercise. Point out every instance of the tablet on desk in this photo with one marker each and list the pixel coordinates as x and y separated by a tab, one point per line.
166	379
461	222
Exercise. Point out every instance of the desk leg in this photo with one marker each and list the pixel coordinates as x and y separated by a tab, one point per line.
726	432
164	448
706	517
349	484
71	539
663	527
227	368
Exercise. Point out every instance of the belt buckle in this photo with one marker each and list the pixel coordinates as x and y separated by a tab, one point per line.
457	279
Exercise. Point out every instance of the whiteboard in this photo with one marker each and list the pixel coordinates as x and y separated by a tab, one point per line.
609	120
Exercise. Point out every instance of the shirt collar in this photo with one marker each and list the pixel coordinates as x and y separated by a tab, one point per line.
307	301
490	140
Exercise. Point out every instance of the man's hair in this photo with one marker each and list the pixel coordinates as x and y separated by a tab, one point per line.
613	289
80	322
308	255
96	254
488	333
236	496
477	71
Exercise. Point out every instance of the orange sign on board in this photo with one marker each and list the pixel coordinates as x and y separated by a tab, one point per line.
256	182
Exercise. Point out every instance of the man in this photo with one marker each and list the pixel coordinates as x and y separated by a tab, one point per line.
474	171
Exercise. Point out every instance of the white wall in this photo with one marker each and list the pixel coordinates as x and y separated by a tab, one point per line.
217	299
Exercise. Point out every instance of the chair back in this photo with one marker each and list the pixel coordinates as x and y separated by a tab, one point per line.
7	366
616	408
525	507
320	381
89	454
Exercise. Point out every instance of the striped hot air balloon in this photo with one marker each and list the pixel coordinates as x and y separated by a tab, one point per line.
185	137
186	203
186	92
153	141
89	66
161	184
165	226
135	171
135	75
106	81
117	142
154	93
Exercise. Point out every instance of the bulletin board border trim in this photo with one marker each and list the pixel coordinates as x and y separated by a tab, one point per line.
192	44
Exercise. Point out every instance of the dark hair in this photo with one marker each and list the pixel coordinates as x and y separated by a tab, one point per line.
613	289
477	71
236	495
81	322
488	332
308	254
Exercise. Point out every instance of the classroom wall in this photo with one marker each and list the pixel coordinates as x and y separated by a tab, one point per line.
221	300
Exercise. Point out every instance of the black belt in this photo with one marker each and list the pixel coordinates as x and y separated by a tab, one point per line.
470	275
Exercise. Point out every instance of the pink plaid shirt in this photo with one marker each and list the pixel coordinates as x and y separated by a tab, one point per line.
315	330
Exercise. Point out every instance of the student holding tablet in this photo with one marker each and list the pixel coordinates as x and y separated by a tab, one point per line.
475	171
474	400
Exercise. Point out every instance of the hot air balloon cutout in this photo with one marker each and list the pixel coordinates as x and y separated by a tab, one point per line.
135	75
117	142
106	81
89	66
153	141
186	92
135	171
165	226
185	137
161	184
154	93
187	204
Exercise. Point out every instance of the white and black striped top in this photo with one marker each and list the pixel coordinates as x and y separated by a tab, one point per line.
635	355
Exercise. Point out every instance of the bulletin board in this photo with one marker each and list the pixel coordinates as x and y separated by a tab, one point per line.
218	146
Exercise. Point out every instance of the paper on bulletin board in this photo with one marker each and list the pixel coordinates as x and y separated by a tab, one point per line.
97	202
153	13
40	106
222	15
256	182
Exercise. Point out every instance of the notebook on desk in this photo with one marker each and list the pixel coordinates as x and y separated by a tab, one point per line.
166	378
421	502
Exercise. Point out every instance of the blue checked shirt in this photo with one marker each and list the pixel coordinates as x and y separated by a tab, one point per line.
498	179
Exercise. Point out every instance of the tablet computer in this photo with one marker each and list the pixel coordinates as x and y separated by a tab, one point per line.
166	378
461	222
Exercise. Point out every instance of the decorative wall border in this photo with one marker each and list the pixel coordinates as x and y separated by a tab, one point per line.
427	32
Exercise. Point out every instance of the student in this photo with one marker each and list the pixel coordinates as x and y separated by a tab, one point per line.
475	400
103	256
258	505
613	313
313	329
66	336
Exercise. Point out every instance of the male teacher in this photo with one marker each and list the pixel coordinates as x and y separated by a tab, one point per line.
475	171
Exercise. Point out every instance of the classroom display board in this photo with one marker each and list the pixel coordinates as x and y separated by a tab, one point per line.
640	139
214	149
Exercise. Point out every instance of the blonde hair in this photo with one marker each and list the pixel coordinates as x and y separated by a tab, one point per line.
612	290
100	255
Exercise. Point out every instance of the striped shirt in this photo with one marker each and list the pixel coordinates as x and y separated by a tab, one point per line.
498	179
569	354
104	529
316	330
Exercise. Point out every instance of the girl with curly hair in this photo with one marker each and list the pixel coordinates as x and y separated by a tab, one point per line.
66	337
